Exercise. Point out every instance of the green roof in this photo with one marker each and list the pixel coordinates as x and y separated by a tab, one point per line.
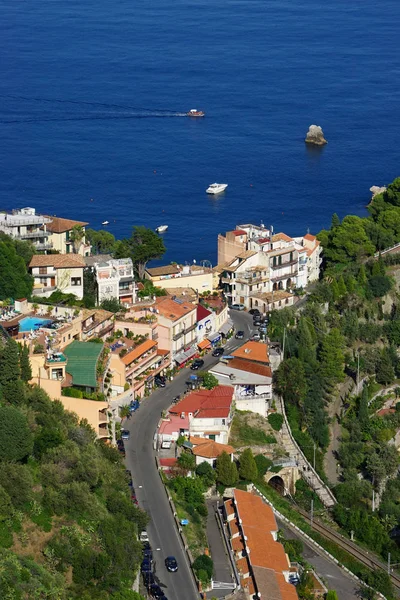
82	362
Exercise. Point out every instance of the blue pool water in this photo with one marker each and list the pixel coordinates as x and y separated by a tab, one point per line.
34	323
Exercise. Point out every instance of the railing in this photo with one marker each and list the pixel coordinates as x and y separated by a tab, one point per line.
45	246
57	359
283	264
43	290
291	273
39	233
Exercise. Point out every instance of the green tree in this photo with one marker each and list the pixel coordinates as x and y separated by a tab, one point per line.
226	470
379	285
76	236
25	363
9	363
306	341
187	461
89	289
15	282
362	276
332	595
290	381
332	356
247	466
207	474
276	421
342	286
335	222
143	245
112	305
363	416
263	464
102	241
16	441
384	369
208	380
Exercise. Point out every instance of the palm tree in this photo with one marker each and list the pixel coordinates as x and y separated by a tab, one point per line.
124	411
76	236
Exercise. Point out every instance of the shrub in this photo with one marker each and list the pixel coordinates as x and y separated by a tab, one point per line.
203	567
16	440
276	421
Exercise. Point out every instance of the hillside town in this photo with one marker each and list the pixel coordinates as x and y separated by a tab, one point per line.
193	374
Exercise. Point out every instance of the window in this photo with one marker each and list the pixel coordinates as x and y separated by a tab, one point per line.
42	270
274	261
76	281
280	259
291	257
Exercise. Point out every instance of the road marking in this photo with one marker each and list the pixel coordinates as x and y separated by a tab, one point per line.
140	487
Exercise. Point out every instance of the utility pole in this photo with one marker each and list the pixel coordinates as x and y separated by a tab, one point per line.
314	457
284	340
312	514
373	500
388	564
358	371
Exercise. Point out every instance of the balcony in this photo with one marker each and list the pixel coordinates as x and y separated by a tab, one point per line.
291	273
56	358
44	246
38	233
249	279
284	264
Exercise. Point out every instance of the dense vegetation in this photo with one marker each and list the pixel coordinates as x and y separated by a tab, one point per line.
68	527
349	329
15	282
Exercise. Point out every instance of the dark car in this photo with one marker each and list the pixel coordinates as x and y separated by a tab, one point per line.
125	435
197	364
145	567
160	381
218	352
148	579
239	335
134	405
254	311
147	554
171	564
257	322
262	329
146	546
121	447
156	591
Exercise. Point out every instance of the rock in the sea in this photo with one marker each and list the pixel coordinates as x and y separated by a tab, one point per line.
315	135
375	189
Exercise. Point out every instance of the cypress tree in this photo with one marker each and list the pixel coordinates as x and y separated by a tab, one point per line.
248	468
363	416
335	221
335	290
362	276
342	286
227	472
25	364
9	363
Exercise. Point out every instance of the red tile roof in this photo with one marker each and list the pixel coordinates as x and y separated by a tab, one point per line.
60	225
310	237
167	462
250	367
207	448
202	312
58	261
214	403
239	232
253	351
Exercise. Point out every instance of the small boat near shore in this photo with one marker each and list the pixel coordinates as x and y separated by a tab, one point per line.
161	228
216	188
195	113
105	222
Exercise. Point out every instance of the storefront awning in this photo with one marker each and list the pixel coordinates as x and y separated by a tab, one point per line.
204	345
226	327
182	357
214	337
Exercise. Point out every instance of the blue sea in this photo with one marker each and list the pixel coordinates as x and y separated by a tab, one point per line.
91	93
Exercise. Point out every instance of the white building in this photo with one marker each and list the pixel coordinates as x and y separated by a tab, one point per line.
24	224
205	322
115	280
63	272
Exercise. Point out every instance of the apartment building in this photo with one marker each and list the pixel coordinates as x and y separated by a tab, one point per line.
249	373
61	236
115	280
25	225
181	276
176	328
261	561
62	272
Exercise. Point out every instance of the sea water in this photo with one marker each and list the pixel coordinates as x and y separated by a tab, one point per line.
85	84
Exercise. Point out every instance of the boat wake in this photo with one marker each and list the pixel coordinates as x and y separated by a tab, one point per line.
114	114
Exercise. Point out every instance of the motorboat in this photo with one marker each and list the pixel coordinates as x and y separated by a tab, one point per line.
195	113
161	228
105	222
216	188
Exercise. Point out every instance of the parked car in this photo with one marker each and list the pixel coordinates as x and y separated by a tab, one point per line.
255	337
121	447
257	322
145	567
125	434
218	351
146	546
254	311
148	553
262	329
176	399
197	364
239	335
160	381
144	536
237	306
134	405
156	591
171	564
148	579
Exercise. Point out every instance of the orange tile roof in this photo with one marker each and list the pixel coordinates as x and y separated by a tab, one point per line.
172	310
211	449
162	352
254	513
242	565
250	367
254	351
310	237
59	225
287	590
237	544
233	528
230	510
281	237
58	261
138	351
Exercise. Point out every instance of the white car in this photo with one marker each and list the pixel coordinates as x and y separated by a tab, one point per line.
237	307
144	537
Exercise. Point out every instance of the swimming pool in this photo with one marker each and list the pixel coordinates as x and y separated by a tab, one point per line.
32	323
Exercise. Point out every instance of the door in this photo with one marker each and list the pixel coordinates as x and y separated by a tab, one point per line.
53	282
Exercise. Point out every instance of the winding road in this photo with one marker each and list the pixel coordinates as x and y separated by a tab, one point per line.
150	492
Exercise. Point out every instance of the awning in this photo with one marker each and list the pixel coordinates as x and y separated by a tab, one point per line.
214	337
226	327
182	357
204	345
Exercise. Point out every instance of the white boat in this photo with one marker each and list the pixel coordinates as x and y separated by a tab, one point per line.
105	222
216	188
161	228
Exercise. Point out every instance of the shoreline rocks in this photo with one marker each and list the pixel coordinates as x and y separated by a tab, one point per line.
375	190
315	136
